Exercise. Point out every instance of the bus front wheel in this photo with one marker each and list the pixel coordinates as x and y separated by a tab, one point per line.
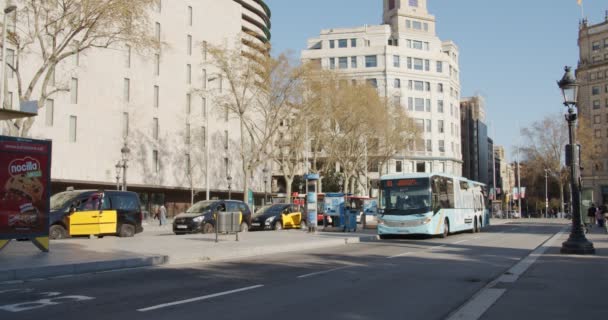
446	228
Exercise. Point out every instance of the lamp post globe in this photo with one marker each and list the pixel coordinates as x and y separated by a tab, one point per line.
124	151
577	243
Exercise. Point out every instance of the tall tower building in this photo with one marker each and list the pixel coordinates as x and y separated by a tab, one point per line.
592	74
406	61
475	144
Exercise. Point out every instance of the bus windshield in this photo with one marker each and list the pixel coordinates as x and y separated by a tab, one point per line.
406	196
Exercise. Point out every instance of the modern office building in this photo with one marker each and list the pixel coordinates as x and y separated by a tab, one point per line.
153	102
408	63
475	146
592	74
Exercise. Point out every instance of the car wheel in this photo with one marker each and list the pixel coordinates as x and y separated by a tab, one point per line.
278	226
208	228
446	228
244	227
303	225
474	229
383	236
126	231
179	233
57	232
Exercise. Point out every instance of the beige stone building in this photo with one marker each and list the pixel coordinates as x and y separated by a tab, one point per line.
592	74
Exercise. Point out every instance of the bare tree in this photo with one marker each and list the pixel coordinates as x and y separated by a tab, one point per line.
259	93
50	31
544	149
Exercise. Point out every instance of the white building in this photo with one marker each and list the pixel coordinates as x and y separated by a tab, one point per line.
407	62
151	103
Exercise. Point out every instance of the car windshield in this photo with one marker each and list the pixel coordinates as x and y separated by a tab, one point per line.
270	210
406	196
61	200
201	206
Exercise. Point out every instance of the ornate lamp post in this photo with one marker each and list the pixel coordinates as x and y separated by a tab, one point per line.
118	168
265	171
577	243
10	7
229	179
124	151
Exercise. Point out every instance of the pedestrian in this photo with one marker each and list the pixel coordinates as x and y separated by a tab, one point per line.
600	215
162	215
591	215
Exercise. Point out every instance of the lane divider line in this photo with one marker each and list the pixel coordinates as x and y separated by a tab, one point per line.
322	272
399	255
461	241
215	295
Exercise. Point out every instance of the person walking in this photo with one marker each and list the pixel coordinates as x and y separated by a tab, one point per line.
591	215
600	216
162	215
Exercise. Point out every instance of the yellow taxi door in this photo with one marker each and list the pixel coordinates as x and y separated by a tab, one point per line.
296	217
84	223
107	221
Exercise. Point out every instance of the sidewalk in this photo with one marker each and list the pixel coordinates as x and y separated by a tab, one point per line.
156	246
558	286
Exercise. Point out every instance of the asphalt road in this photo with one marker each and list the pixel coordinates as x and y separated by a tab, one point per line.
390	279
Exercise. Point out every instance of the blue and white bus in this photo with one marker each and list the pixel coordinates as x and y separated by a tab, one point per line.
430	204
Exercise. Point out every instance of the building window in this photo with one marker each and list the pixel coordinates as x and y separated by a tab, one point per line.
397	100
441	146
343	62
391	4
371	61
597	119
419	104
155	128
189	15
427	86
439	67
410	104
413	3
156	64
418	85
204	136
373	82
50	112
187	134
332	44
396	62
125	124
156	161
397	83
399	166
427	65
332	63
188	73
440	126
156	96
440	106
428	105
428	126
205	49
204	106
226	139
418	64
417	25
157	31
353	43
596	104
188	103
189	44
596	46
598	133
409	63
342	43
128	57
353	62
429	145
73	128
126	90
74	91
440	87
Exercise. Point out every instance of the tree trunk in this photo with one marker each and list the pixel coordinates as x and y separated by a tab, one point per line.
243	163
561	195
288	183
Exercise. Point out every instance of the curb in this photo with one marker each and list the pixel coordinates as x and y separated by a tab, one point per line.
25	274
46	272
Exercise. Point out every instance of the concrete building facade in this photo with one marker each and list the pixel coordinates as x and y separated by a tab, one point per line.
406	61
158	103
475	147
592	74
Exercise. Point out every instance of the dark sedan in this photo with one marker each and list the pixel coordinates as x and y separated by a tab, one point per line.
200	217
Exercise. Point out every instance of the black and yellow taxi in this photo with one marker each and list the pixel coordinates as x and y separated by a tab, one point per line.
278	217
94	212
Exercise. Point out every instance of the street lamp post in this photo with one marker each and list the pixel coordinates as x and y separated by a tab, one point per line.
546	192
8	9
229	179
118	168
265	182
124	151
577	243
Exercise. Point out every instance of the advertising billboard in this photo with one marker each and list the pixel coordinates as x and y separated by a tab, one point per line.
25	173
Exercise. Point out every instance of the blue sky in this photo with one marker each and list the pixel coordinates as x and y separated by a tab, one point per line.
511	52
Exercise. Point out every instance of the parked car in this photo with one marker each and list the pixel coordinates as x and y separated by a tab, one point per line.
278	217
201	216
100	213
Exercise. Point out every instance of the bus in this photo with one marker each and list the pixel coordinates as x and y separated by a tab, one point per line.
430	204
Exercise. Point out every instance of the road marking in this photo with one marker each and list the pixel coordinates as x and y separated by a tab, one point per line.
461	241
399	255
41	303
322	272
437	247
215	295
476	307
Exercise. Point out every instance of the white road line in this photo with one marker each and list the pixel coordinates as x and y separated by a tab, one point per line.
476	307
165	305
399	255
322	272
437	247
461	241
